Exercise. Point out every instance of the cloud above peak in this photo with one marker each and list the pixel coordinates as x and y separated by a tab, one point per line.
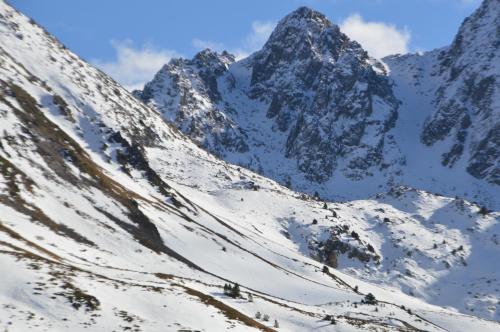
378	38
253	41
134	66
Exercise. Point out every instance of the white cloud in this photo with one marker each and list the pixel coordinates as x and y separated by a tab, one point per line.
259	35
203	44
378	38
134	67
252	42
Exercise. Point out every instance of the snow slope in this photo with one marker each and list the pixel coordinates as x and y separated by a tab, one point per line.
448	121
111	219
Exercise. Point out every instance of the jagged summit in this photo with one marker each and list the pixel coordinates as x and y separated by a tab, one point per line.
205	59
209	65
209	58
467	104
479	33
187	93
303	34
306	19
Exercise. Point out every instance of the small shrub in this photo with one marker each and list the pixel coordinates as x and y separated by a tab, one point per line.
235	291
227	289
483	211
370	299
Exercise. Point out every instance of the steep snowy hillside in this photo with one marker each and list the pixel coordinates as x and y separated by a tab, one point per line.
467	102
450	112
112	220
313	111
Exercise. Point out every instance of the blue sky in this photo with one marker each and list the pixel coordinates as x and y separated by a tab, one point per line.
131	39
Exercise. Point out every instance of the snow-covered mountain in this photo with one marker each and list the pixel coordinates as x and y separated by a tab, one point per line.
113	219
460	86
190	98
313	111
309	107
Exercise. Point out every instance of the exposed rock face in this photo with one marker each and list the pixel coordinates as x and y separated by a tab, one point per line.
329	105
187	94
326	93
467	101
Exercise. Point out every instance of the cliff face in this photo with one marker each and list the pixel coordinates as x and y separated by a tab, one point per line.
461	85
186	93
468	100
334	103
311	100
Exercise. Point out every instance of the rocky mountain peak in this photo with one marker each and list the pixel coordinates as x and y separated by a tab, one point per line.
305	18
187	93
320	93
320	87
208	59
207	65
304	34
467	103
479	32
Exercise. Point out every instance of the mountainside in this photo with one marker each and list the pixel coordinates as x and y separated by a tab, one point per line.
187	95
326	94
310	106
111	219
313	111
461	86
